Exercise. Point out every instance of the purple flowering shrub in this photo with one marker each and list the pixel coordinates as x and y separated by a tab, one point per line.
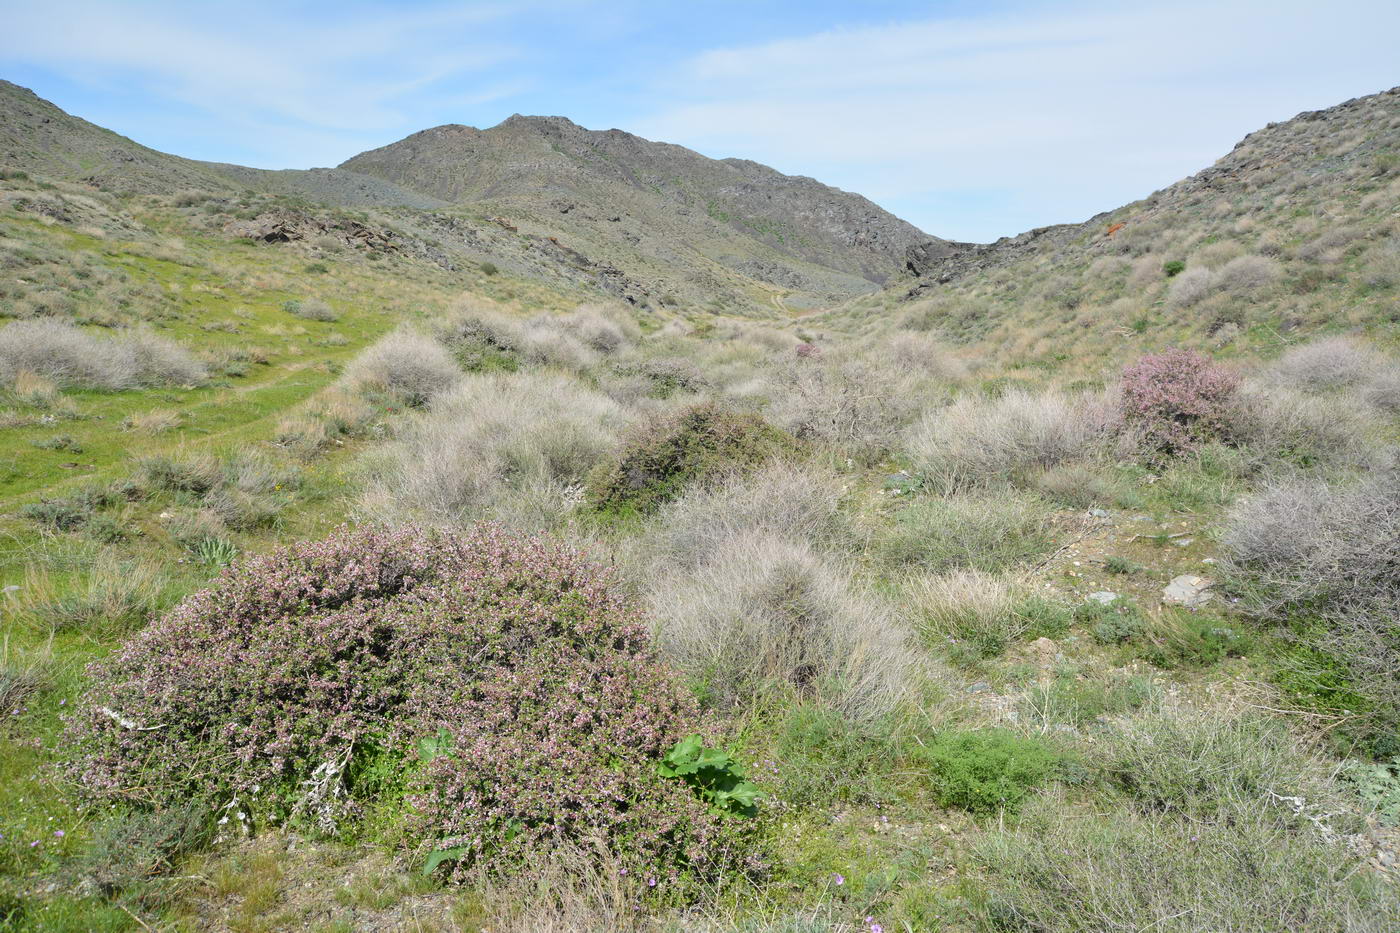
1177	399
511	681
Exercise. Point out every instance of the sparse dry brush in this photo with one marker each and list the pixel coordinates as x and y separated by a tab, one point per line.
1323	559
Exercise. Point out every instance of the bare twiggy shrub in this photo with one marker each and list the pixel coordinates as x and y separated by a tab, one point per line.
1247	273
977	440
1383	391
407	367
1285	424
1190	287
1329	552
1329	363
489	442
784	499
1381	267
768	617
72	358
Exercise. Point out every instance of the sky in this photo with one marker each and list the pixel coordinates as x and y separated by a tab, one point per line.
971	120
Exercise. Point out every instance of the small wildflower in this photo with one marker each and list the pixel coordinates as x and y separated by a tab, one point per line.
58	833
840	879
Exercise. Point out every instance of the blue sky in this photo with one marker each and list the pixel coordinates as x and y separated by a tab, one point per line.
972	120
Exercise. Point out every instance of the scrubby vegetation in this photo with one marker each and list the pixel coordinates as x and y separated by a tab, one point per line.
356	587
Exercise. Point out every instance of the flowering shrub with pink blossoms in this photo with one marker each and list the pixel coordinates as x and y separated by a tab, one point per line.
507	681
1177	399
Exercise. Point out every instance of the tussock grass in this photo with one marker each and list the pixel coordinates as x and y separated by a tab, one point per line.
978	440
983	532
766	617
69	357
796	501
515	447
404	367
113	592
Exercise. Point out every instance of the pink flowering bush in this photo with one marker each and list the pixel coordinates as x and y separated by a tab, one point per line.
506	681
1177	399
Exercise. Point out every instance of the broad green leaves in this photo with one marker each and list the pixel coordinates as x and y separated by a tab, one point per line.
713	774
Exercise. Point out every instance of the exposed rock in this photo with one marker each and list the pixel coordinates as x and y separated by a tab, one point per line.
1188	590
1103	596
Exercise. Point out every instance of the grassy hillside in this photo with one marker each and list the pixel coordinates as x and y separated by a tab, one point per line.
979	609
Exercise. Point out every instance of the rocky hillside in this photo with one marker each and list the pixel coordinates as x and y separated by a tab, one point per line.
550	166
1297	228
651	223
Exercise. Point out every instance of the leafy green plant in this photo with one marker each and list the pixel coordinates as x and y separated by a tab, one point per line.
713	774
1173	268
987	770
1377	783
664	456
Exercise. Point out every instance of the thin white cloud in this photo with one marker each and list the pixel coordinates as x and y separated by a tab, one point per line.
265	65
1064	112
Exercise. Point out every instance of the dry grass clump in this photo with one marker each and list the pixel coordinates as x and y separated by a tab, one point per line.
799	502
1247	273
1328	363
483	337
1204	805
33	389
1284	424
155	421
1383	391
311	309
23	673
515	447
407	367
922	355
766	617
606	328
983	532
72	358
967	608
977	440
1190	287
109	592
